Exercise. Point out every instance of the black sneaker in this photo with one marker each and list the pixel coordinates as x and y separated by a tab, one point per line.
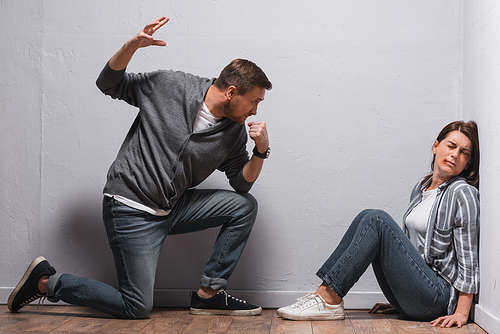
26	290
223	304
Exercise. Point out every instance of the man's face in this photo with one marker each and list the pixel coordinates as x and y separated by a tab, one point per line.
239	107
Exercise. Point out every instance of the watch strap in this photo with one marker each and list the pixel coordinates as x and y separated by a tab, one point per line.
264	155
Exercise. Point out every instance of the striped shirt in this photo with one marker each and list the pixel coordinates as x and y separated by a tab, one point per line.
451	242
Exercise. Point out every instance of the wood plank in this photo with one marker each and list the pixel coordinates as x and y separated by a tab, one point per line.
334	326
364	322
281	325
209	324
405	325
92	321
36	319
168	320
470	328
79	319
252	324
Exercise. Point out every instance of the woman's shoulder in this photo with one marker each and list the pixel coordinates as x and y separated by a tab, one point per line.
460	184
462	190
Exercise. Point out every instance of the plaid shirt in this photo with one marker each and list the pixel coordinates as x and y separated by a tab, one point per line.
451	243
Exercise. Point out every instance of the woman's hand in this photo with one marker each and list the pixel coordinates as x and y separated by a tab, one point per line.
461	314
383	308
447	321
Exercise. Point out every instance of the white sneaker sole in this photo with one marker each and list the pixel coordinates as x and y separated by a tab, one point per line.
312	317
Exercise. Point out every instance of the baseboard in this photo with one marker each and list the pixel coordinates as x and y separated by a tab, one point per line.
486	320
268	299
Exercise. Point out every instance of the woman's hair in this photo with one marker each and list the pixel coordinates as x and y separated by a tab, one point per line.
469	129
244	75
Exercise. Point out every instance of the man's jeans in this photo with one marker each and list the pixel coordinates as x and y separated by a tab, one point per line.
136	238
407	282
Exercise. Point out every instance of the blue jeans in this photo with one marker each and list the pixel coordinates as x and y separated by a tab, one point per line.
136	238
406	280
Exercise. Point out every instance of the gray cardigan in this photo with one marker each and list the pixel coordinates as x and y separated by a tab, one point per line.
451	242
161	157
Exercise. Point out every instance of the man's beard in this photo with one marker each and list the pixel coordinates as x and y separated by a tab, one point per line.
229	113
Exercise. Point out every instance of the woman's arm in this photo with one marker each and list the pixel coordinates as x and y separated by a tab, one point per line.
465	243
461	314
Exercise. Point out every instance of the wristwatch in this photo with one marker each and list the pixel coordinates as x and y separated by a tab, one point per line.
264	155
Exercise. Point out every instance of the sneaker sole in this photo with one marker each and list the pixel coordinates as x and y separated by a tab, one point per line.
23	280
318	317
197	311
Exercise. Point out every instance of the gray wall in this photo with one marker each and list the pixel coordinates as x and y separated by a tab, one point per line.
481	101
361	89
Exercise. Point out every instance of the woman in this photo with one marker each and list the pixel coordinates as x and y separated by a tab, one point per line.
429	271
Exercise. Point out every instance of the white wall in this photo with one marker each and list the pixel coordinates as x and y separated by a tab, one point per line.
361	89
481	101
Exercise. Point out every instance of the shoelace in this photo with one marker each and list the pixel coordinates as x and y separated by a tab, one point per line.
32	299
40	301
302	300
227	295
312	300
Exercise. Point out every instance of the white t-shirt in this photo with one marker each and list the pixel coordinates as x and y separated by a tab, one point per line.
416	221
204	119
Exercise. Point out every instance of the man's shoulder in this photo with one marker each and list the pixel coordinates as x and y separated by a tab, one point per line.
180	75
183	80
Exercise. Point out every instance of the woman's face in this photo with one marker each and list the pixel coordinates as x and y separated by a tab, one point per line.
452	155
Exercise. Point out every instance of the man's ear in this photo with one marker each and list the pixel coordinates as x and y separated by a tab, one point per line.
230	92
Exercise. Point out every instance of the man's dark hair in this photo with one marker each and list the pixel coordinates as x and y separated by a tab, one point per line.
244	75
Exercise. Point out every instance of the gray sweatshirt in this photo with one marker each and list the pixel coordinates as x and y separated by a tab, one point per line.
161	157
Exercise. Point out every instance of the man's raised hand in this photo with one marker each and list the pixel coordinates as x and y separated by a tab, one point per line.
145	36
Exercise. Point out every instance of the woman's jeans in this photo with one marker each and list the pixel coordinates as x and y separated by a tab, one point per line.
407	282
136	238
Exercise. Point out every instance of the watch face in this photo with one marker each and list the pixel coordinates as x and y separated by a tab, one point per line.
268	152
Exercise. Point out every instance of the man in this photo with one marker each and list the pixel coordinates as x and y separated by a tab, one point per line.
187	127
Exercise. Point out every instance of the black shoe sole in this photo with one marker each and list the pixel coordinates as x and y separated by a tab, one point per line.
198	311
23	280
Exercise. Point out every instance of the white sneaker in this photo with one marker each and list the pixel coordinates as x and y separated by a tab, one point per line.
313	307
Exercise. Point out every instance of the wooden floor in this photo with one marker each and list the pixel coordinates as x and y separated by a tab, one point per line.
77	319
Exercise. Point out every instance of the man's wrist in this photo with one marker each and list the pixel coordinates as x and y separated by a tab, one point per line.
264	155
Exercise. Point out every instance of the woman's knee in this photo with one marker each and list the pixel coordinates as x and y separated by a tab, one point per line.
370	216
375	214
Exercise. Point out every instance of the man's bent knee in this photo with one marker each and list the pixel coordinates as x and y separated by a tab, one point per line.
138	314
137	311
249	202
